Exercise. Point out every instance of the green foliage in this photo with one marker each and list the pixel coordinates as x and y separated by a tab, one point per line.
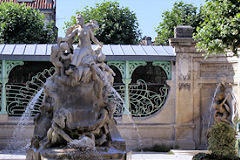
221	27
222	140
20	24
200	156
117	25
204	156
181	14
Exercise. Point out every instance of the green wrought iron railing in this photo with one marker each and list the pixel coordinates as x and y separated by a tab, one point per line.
19	95
144	98
143	101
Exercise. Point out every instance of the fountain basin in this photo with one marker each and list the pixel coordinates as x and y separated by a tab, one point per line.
70	153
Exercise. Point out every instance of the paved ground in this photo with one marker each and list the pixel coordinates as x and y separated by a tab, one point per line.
182	155
5	156
160	156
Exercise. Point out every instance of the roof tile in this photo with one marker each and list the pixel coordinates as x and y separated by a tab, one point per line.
36	4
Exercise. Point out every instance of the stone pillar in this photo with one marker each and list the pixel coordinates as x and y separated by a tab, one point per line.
184	47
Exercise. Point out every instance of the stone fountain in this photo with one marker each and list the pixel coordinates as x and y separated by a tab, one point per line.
76	116
221	135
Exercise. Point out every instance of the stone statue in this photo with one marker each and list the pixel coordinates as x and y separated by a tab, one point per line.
76	117
85	35
222	109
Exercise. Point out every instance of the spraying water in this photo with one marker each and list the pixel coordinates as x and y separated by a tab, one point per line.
209	121
211	110
18	138
118	97
234	108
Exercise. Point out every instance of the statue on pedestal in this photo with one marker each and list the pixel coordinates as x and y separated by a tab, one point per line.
76	118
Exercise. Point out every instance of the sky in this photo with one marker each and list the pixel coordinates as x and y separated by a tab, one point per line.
148	12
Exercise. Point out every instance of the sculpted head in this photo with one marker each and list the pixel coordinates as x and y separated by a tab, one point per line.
64	47
80	19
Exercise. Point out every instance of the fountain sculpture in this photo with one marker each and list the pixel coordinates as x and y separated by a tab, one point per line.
221	136
76	119
224	105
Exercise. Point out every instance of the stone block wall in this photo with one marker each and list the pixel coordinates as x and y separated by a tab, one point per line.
196	82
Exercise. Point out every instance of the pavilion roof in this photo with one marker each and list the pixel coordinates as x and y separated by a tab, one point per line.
41	52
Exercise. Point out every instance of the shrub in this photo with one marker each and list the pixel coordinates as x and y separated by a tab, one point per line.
200	156
205	156
222	140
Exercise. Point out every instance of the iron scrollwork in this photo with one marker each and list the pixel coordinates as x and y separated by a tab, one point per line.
19	95
144	102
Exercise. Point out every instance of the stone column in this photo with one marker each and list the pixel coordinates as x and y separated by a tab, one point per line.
184	47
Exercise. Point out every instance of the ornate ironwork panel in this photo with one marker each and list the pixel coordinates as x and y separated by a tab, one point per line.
9	65
144	102
127	67
135	64
166	66
19	95
144	98
120	66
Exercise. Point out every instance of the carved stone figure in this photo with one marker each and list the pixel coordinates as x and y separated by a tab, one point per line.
85	35
221	106
76	116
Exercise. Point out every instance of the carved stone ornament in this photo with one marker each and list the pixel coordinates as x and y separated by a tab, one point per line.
184	86
184	67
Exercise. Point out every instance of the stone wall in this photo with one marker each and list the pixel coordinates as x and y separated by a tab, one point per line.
196	82
207	75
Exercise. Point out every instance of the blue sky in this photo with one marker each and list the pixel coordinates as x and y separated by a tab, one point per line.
148	12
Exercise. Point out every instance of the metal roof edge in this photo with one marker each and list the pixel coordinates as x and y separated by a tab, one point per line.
108	58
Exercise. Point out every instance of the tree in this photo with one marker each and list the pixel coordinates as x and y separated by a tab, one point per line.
221	27
20	24
181	14
117	25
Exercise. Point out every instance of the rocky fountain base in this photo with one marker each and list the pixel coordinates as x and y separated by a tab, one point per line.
76	116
